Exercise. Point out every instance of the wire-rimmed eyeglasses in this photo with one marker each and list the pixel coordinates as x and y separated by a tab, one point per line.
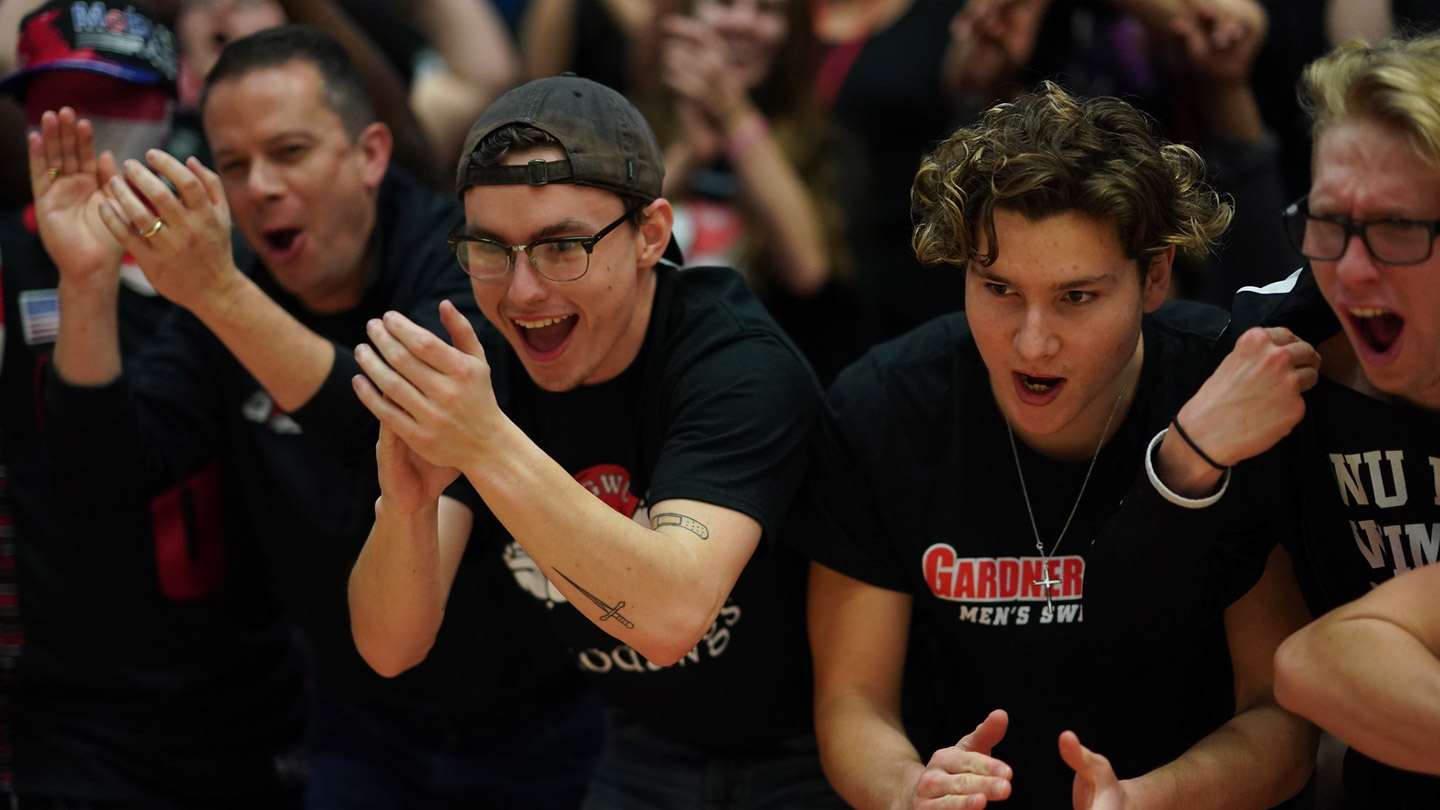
557	258
1391	241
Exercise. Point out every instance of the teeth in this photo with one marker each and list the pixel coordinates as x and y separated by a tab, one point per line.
543	322
1035	387
1368	312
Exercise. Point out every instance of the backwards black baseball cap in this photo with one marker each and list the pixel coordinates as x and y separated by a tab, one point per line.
607	142
99	36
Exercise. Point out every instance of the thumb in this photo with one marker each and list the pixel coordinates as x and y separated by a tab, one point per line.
986	735
462	333
1080	759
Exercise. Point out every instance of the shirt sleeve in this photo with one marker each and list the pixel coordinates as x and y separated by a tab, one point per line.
1169	569
153	426
736	430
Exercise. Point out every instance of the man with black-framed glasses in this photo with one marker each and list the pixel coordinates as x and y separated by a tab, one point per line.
629	434
1354	489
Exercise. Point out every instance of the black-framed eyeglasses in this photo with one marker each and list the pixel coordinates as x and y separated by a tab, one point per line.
557	258
1392	241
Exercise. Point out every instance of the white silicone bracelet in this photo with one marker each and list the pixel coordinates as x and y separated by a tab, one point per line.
1170	495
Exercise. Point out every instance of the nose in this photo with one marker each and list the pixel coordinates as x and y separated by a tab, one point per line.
264	180
527	286
1035	339
1356	266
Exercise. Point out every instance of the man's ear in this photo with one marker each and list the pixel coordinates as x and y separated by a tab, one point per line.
1157	279
653	234
375	143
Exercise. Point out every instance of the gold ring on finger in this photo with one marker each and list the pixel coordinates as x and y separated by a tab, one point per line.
153	229
54	173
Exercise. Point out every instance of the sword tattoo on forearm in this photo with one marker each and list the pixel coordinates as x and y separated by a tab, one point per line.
610	612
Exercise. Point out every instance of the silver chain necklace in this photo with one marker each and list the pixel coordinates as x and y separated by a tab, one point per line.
1045	581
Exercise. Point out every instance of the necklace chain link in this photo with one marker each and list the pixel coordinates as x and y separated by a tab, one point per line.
1040	546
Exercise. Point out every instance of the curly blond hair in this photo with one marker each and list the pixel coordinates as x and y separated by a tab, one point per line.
1396	82
1051	153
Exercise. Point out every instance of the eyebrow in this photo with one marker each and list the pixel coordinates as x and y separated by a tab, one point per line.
565	227
269	142
1073	284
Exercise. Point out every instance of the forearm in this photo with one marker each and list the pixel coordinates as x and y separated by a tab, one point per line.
87	347
547	36
1258	759
1369	683
397	592
479	64
470	36
647	587
781	206
681	161
1231	111
865	753
288	359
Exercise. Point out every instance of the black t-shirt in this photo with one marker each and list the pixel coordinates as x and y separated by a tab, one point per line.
715	409
1358	488
153	669
914	489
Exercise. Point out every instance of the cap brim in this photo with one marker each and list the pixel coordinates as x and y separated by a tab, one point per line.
14	84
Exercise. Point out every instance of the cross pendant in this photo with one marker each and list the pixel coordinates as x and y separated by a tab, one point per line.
1049	585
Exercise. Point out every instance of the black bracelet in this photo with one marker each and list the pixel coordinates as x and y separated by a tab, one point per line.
1195	447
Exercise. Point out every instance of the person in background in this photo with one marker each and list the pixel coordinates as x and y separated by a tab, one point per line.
753	168
144	662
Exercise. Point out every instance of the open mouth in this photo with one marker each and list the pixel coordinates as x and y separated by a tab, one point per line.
281	239
1038	385
546	334
1379	328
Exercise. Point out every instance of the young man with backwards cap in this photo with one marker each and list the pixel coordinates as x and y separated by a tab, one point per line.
257	371
629	431
148	666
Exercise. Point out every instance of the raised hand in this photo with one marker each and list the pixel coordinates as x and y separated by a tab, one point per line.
967	770
695	66
992	40
181	239
1096	787
1220	38
407	481
67	180
1253	399
435	397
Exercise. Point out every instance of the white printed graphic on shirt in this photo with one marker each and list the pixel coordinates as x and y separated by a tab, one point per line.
1377	480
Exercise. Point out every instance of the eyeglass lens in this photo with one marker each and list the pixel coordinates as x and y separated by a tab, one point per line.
561	261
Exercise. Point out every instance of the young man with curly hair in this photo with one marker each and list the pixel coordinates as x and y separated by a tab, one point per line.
967	475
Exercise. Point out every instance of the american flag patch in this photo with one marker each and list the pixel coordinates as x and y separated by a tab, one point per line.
40	316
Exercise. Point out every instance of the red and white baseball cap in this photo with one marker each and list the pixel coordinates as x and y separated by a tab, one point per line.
97	36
